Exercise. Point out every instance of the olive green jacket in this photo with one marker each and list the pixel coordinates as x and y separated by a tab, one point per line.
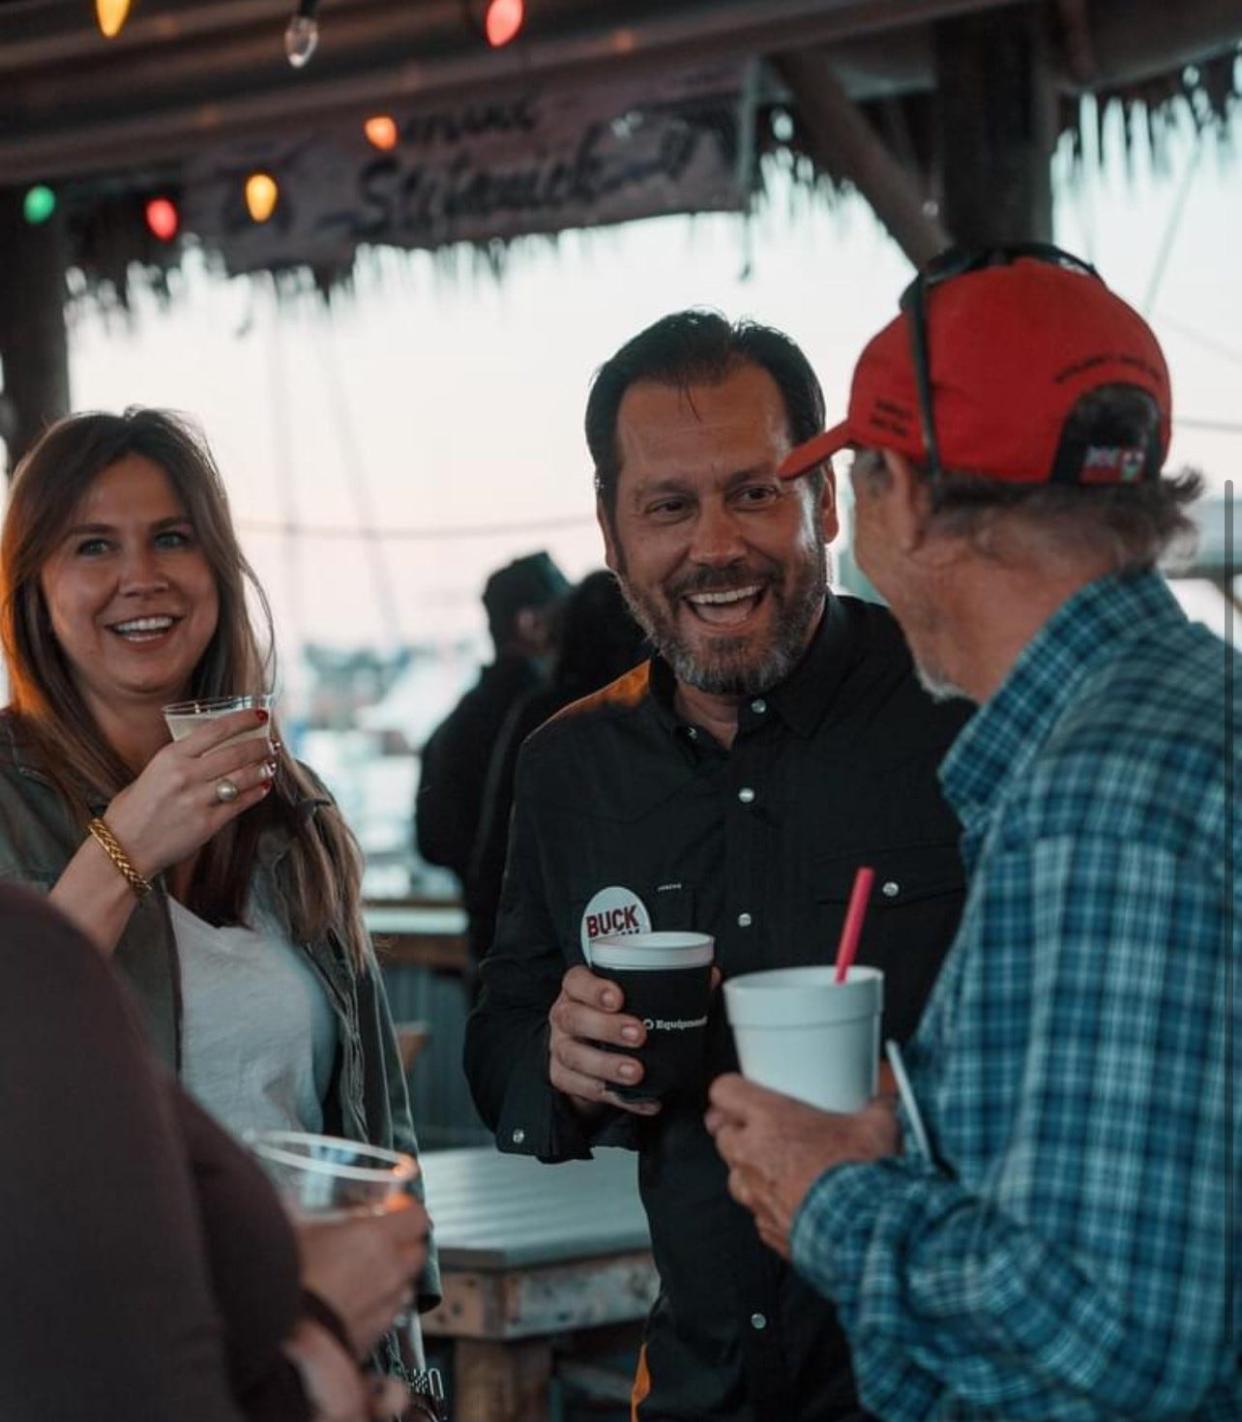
367	1098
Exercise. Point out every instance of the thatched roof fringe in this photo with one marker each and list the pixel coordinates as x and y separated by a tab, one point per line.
113	252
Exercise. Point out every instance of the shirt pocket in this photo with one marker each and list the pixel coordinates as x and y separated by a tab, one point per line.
912	917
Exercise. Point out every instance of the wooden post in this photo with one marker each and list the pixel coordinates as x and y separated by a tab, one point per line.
848	147
501	1382
34	348
995	103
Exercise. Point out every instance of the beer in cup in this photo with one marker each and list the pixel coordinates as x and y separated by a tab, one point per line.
186	716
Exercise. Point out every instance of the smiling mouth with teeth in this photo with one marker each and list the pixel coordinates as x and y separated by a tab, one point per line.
727	608
143	629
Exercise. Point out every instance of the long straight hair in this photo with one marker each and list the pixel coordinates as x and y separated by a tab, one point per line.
322	872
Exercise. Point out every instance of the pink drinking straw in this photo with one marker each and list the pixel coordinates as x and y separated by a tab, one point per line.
851	930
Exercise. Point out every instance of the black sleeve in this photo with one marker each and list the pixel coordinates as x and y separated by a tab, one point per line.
444	811
506	1054
107	1308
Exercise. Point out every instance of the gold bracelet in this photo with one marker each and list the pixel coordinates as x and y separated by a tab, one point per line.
111	846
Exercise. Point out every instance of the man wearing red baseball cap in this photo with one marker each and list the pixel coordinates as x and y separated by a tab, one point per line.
1064	1247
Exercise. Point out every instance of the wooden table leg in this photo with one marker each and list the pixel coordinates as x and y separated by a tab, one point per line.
501	1382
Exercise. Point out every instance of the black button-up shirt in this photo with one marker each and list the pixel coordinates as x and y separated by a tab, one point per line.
757	845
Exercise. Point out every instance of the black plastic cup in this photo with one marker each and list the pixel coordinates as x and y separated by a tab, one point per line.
666	979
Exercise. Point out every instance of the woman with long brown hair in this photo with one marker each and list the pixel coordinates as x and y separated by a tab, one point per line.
214	871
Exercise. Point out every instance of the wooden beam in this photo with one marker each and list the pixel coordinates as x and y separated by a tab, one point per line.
847	147
1120	42
34	349
996	127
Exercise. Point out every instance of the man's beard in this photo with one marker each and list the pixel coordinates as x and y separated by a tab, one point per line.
734	666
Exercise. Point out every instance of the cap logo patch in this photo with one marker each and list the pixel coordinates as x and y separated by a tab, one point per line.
1113	464
612	911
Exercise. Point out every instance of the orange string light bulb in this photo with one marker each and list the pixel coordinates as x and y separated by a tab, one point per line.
110	15
381	131
262	195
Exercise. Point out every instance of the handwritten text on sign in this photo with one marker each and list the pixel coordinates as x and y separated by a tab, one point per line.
538	162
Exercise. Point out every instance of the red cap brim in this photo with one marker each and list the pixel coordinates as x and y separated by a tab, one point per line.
806	456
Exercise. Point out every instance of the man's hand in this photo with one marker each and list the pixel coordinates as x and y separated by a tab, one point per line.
588	1011
776	1148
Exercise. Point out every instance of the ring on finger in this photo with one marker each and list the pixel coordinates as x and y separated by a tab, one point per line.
226	790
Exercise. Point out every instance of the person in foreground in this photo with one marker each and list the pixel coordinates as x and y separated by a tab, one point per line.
214	872
149	1271
689	795
1070	1251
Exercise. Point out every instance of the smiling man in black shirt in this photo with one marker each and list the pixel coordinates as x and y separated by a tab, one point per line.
731	786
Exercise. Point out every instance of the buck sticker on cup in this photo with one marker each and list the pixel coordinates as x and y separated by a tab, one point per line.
612	913
666	982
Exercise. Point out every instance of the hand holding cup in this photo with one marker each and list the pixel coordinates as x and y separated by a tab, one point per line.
598	1055
586	1014
364	1265
175	806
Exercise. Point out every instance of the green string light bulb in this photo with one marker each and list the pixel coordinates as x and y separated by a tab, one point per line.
39	204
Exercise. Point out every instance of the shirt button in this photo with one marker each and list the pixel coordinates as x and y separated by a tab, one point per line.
519	1136
745	794
692	732
759	706
758	1322
744	920
891	889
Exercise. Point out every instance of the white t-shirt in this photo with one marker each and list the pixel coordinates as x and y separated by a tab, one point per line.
258	1036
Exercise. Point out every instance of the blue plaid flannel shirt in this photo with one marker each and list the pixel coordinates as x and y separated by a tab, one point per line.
1073	1254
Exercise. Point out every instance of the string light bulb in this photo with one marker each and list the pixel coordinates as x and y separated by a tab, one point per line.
502	20
38	204
163	219
110	16
381	132
302	34
262	195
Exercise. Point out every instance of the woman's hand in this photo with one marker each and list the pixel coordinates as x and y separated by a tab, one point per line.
334	1387
364	1266
172	808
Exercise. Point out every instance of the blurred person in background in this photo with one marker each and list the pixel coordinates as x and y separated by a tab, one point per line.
149	1270
522	601
215	873
597	642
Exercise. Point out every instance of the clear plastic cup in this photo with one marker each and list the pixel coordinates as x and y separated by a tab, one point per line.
186	716
326	1176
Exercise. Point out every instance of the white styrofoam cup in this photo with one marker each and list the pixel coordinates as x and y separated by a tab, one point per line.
800	1033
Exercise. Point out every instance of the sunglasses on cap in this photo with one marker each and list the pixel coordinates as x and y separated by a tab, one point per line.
957	262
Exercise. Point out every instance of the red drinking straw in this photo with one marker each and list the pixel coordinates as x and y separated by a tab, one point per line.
851	930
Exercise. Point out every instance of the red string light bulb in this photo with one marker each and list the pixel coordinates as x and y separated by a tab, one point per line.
502	20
